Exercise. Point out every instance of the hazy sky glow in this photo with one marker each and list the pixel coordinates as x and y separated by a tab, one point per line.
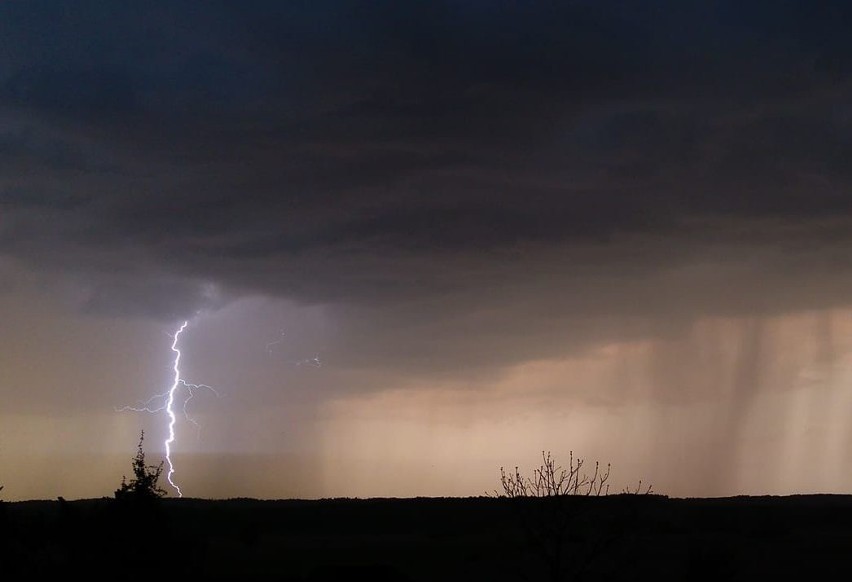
417	241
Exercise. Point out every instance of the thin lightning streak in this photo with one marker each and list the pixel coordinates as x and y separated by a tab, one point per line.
171	412
190	388
274	342
315	362
147	405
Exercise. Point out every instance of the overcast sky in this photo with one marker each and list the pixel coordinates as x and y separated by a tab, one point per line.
416	241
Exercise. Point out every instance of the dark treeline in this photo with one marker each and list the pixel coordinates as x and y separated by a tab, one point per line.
619	537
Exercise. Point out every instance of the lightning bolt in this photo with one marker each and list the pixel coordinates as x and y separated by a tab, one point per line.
170	411
315	362
166	402
274	342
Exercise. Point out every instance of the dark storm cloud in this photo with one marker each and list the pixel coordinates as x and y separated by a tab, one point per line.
466	158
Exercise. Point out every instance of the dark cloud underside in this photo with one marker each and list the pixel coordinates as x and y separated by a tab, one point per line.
461	156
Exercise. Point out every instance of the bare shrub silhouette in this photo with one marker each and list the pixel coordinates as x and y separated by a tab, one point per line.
551	480
144	485
553	508
638	490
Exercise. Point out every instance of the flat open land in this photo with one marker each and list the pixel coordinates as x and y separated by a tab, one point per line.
621	537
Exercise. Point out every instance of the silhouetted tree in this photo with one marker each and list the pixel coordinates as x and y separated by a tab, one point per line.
144	485
551	504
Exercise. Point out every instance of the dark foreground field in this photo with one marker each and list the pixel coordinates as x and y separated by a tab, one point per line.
609	538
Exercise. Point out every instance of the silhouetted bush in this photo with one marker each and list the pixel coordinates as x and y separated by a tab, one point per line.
144	485
551	480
